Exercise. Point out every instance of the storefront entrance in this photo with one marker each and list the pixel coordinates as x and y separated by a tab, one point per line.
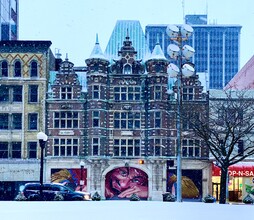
240	180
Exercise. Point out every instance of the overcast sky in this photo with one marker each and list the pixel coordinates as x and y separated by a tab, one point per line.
72	25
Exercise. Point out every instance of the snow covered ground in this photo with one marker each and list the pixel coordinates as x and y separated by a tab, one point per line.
105	210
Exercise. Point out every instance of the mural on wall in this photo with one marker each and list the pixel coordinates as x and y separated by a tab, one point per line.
70	178
122	182
248	187
191	183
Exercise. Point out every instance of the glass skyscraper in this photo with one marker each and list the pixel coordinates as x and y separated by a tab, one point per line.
133	29
9	19
217	48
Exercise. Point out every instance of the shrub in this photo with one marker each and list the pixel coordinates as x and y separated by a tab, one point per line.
134	197
248	199
209	199
96	197
168	197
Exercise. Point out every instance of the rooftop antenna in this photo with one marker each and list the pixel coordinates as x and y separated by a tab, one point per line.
57	53
183	11
97	38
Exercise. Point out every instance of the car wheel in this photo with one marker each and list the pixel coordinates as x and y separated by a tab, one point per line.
34	197
58	197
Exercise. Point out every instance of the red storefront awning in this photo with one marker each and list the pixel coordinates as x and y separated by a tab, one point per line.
243	169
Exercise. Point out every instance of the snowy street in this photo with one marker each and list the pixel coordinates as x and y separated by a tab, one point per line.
105	210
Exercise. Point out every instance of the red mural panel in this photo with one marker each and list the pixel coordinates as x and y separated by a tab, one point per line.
122	182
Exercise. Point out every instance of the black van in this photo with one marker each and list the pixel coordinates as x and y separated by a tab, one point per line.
50	192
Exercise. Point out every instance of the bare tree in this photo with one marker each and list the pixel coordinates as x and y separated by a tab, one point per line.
227	130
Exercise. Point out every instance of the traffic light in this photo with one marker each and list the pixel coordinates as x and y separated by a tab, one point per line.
141	161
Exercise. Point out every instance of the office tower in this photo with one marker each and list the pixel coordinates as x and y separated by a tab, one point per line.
9	19
217	48
118	35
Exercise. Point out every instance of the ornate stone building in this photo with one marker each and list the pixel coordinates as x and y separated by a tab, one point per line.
126	132
24	66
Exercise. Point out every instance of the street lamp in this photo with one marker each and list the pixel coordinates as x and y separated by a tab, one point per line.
184	69
42	137
81	182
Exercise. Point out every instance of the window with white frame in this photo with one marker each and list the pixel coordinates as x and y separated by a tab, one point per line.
95	147
16	150
157	119
65	147
127	148
66	119
130	93
191	148
96	119
32	150
96	94
16	121
157	147
188	94
127	120
66	93
10	93
32	121
157	92
33	93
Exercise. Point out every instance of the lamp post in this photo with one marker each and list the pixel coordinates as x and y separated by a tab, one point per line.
42	137
180	53
81	182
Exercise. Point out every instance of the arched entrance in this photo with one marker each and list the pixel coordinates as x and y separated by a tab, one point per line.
122	182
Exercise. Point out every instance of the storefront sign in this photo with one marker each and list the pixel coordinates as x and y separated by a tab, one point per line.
246	170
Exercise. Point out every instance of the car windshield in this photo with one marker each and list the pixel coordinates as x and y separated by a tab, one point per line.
68	188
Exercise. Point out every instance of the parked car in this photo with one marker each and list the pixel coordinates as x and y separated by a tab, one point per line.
50	192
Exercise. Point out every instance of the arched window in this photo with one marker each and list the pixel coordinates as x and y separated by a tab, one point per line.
127	69
4	69
33	69
17	69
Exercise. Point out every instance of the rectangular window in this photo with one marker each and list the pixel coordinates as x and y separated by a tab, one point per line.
4	121
188	94
126	147
66	93
17	121
95	146
66	119
4	93
157	147
191	148
127	120
16	149
33	93
127	93
96	92
32	121
157	120
32	150
65	147
17	94
96	119
4	150
157	92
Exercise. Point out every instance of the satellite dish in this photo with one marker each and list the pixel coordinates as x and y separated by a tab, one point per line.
188	51
187	70
186	30
172	70
172	31
173	51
